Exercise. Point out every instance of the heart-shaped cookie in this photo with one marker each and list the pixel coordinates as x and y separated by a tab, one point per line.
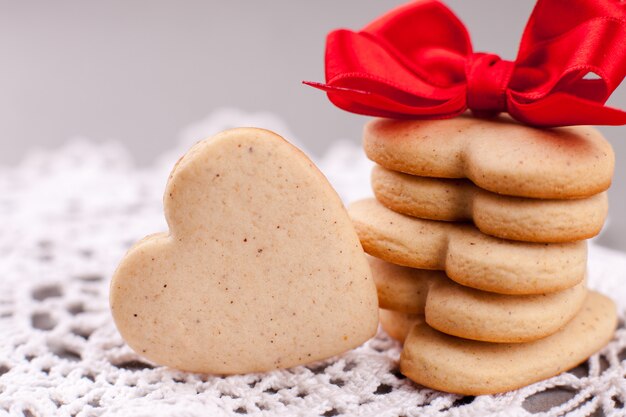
516	218
261	268
496	154
473	314
469	367
468	256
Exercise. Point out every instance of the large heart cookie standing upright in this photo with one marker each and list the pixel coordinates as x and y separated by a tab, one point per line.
261	268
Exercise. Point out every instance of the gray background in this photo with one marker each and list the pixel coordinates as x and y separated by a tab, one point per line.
139	71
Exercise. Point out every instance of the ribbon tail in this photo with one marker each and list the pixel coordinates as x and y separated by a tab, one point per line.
371	103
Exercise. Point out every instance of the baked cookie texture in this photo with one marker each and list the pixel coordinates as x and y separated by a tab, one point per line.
515	218
468	367
468	256
477	243
498	155
261	268
472	314
397	324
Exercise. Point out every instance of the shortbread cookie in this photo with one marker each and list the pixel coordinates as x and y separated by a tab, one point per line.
467	367
261	268
397	324
498	154
401	288
473	314
468	256
517	218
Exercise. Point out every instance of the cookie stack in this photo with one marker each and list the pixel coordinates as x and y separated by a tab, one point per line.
477	243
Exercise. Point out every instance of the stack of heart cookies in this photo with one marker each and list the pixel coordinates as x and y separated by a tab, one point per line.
477	243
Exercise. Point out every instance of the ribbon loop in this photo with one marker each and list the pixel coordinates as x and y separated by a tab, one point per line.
487	77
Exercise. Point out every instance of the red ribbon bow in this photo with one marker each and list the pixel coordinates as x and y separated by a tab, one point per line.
417	62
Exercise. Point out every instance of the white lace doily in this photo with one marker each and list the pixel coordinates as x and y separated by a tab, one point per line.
68	217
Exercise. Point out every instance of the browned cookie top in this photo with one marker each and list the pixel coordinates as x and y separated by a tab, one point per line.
498	154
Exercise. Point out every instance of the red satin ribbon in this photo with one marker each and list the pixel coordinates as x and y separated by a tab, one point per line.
417	62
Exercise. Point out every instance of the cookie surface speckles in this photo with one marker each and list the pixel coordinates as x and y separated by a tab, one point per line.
497	154
524	219
460	366
261	268
468	256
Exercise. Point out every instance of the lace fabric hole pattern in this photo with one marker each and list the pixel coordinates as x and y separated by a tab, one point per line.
70	215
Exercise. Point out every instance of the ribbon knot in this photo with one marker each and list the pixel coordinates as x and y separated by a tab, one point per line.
417	61
487	78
